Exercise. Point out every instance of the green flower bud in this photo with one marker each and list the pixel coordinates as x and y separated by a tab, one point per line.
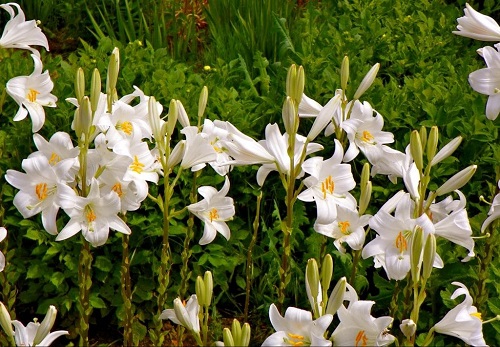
336	297
299	85
200	290
227	337
312	280
423	136
79	84
344	73
432	143
365	175
365	197
447	150
171	117
290	80
209	288
457	181
236	331
95	90
416	150
290	116
367	81
202	103
429	255
112	78
5	320
417	246
326	272
245	335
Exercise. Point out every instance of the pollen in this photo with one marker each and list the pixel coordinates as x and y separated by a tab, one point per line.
477	315
54	158
126	127
361	339
136	165
117	188
90	215
344	227
213	214
295	340
401	243
367	136
327	186
32	93
41	191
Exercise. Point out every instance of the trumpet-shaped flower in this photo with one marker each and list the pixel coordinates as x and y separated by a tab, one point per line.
216	136
215	209
328	185
37	333
297	328
3	235
185	315
359	328
32	93
494	212
477	26
462	321
19	33
94	215
197	151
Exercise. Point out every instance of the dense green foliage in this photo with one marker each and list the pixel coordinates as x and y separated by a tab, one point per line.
422	81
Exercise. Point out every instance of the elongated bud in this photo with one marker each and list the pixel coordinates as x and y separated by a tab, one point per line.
236	331
79	84
182	115
417	246
365	175
336	297
290	80
312	279
295	83
202	103
47	323
200	290
227	337
429	255
365	197
299	85
112	78
5	320
245	335
457	181
95	90
447	150
408	327
324	117
326	272
83	119
423	136
172	117
290	116
367	81
416	150
432	143
209	288
344	73
154	119
182	315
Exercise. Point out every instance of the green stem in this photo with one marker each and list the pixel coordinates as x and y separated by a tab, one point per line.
126	289
249	266
357	255
85	282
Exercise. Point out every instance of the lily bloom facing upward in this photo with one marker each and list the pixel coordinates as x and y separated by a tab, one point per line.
32	93
19	33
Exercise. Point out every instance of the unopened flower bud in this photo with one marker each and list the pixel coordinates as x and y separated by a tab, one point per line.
182	115
47	323
236	331
326	272
112	78
182	315
324	117
417	246
209	288
336	297
367	81
245	335
365	197
202	103
295	83
447	150
312	281
95	90
432	142
5	320
457	181
154	119
344	73
200	290
79	84
365	175
172	117
290	116
408	327
423	136
290	79
429	255
416	150
227	337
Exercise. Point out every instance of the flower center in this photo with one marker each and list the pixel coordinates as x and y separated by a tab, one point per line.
117	188
213	214
89	214
126	127
295	339
401	243
327	186
32	93
41	191
361	339
367	136
54	159
136	165
344	227
477	315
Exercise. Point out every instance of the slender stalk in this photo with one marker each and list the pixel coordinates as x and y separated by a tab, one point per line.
126	291
204	326
249	267
356	255
84	283
287	228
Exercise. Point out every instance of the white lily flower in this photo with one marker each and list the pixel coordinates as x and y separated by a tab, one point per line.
297	328
197	150
477	26
39	189
3	235
215	209
19	33
328	185
462	321
494	212
185	315
32	93
215	137
325	116
37	334
359	328
348	227
94	215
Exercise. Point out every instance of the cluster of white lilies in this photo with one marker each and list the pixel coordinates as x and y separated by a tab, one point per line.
125	144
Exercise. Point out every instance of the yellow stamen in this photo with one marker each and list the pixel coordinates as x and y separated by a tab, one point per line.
327	186
401	243
41	191
54	159
90	215
344	227
367	136
117	188
136	165
361	337
477	315
126	127
32	93
213	214
295	339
